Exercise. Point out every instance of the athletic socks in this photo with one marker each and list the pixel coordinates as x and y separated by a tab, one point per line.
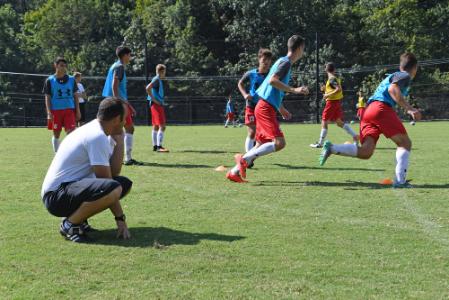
402	158
262	150
322	136
344	150
128	146
249	144
55	143
160	138
349	130
154	137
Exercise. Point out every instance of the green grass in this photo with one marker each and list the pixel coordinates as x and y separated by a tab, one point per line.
295	231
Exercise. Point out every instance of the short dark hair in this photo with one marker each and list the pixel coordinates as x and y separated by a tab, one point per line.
330	67
110	108
60	59
264	52
408	61
160	67
295	41
120	51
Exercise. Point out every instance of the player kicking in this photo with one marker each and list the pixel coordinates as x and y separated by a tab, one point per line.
380	117
255	78
155	91
269	137
115	86
333	112
61	102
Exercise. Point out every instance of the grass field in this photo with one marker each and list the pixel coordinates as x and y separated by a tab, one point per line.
296	231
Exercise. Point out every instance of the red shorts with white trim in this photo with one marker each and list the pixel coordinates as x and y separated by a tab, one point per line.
332	111
157	114
360	112
267	125
62	118
250	117
129	115
380	118
230	116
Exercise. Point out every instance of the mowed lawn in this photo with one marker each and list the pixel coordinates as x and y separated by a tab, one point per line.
295	231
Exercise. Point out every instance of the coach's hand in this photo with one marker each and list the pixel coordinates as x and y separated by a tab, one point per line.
416	114
122	230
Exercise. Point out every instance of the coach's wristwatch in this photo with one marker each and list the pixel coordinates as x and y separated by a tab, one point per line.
121	218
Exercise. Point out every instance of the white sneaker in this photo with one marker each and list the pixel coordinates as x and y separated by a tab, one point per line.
316	145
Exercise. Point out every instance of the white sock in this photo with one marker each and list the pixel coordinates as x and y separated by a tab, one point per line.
262	150
402	156
227	122
249	144
160	137
154	137
322	135
55	143
128	146
349	130
344	149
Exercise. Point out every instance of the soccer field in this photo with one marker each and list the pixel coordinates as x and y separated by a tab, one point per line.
296	230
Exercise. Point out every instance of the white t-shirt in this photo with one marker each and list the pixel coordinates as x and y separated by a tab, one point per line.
85	147
80	90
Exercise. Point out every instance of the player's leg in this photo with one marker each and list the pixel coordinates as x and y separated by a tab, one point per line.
154	135
347	128
323	134
55	140
404	146
160	138
129	140
250	138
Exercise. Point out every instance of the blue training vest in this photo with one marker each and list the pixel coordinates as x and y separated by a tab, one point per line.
255	80
107	89
62	93
268	92
157	93
381	94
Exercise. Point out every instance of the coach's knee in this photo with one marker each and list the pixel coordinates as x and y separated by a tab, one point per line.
114	196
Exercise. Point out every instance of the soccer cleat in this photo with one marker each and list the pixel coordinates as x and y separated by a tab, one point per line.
242	164
161	149
74	233
316	145
250	165
405	185
155	148
325	153
235	177
132	162
85	226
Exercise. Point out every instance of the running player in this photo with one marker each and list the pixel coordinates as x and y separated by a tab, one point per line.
115	86
230	113
255	78
360	106
61	102
156	94
333	112
269	137
380	118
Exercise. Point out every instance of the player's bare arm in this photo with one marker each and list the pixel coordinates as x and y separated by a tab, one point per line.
284	112
77	106
117	156
115	84
396	94
241	86
149	89
48	106
277	83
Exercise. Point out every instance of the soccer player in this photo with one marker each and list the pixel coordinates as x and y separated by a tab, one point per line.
82	98
269	137
333	112
255	78
230	113
155	91
61	102
83	178
360	106
115	86
380	118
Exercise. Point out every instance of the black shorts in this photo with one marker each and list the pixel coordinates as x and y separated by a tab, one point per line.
83	112
69	196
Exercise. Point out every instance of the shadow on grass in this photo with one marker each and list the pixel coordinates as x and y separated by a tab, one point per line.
206	151
326	168
181	166
347	185
157	237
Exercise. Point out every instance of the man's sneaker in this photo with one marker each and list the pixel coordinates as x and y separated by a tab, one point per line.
325	153
405	185
242	164
235	177
132	162
162	149
316	145
74	233
154	148
85	226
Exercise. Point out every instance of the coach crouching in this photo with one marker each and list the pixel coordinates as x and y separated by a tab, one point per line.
83	178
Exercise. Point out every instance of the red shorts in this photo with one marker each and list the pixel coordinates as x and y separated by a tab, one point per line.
267	125
230	116
157	114
250	118
380	118
62	118
332	111
129	115
360	112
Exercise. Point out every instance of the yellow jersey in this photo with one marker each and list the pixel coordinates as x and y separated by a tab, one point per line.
331	86
361	102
